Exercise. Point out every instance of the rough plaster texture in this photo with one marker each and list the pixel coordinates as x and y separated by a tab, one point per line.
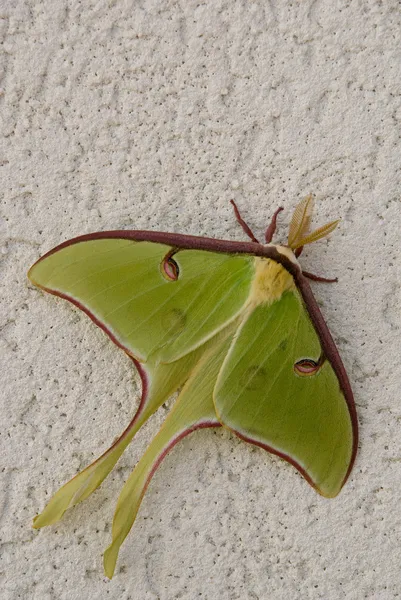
152	115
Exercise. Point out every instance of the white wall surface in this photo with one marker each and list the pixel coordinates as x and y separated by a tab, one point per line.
152	115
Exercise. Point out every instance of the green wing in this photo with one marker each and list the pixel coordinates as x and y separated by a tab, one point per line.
120	283
246	380
166	324
253	365
299	414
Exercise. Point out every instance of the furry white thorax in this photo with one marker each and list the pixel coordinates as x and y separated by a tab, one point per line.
271	279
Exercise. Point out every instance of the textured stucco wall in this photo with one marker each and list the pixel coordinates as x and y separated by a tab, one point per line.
152	115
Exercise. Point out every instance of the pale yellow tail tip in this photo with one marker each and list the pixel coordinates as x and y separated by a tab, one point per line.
109	561
35	524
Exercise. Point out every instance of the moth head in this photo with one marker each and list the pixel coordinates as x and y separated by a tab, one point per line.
298	235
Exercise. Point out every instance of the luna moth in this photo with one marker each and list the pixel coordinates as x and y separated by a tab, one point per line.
234	326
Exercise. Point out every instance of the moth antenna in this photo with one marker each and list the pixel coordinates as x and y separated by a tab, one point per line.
317	234
300	221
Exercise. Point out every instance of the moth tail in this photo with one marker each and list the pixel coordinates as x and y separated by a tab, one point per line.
177	426
194	409
87	481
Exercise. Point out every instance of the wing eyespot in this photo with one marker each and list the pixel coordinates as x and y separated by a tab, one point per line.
169	268
307	367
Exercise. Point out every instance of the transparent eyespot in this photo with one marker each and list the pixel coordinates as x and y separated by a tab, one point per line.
169	268
307	367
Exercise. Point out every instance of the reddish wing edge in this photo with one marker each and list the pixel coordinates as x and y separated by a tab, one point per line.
331	353
191	242
177	240
174	442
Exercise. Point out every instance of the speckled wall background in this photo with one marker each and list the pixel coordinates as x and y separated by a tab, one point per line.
152	115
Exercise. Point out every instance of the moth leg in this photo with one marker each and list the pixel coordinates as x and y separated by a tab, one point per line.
244	226
318	278
271	230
